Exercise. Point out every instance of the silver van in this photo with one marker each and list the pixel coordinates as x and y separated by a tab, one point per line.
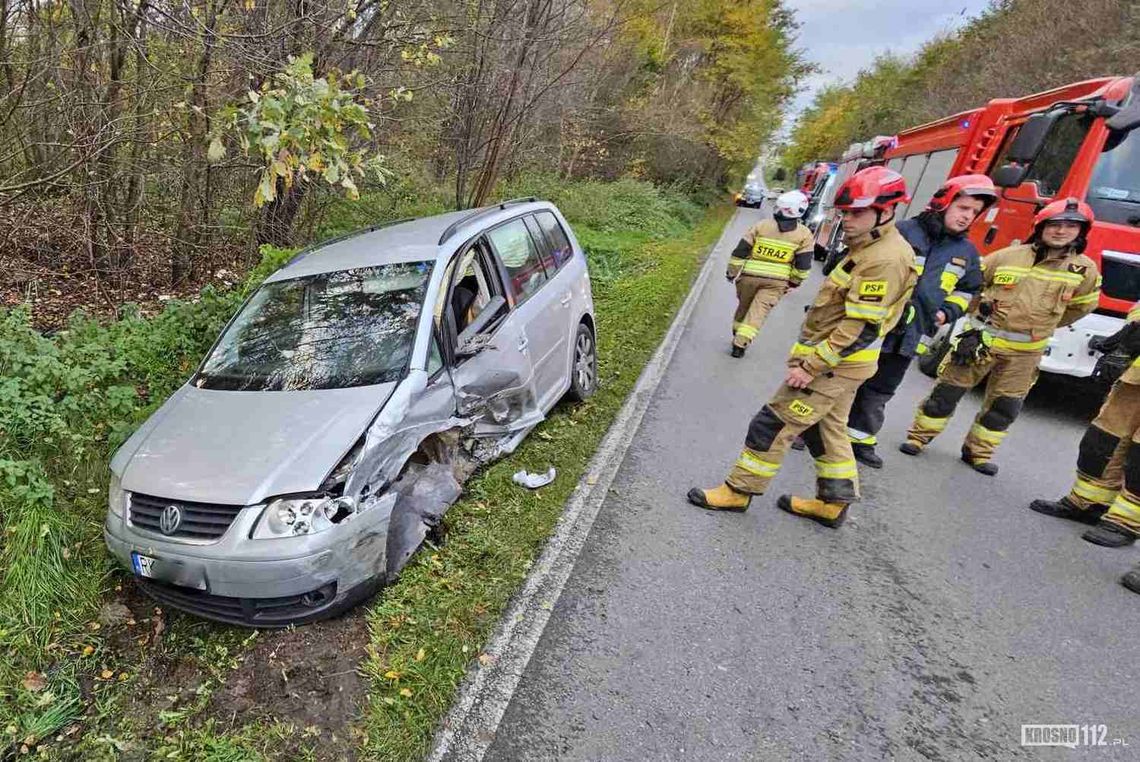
337	416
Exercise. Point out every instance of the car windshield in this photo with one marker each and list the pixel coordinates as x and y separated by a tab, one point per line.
325	331
1114	192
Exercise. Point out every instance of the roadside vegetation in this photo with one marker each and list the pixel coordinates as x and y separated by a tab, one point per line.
93	668
1015	48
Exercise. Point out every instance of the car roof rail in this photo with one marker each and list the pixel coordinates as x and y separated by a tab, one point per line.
451	229
343	237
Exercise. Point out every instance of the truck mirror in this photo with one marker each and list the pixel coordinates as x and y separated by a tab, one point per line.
1031	137
780	175
1009	176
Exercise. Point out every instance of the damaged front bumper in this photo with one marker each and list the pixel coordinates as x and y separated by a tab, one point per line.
261	583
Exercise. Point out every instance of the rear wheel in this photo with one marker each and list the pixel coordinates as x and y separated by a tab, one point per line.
584	366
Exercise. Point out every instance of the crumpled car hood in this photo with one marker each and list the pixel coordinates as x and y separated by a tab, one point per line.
238	448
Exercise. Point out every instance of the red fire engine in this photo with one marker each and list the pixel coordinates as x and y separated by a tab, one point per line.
1078	140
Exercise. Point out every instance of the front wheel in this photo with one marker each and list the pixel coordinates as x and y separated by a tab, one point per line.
584	366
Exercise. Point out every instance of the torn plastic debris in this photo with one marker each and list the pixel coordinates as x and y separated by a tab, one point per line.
534	481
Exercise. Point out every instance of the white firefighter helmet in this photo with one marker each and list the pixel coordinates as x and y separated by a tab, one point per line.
792	204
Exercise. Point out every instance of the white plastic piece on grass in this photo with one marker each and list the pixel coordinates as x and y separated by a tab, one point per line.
534	481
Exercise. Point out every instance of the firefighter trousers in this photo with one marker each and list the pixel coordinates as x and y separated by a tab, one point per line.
755	298
1108	465
1010	377
819	414
870	407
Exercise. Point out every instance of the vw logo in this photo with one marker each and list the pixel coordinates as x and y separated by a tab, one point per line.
170	519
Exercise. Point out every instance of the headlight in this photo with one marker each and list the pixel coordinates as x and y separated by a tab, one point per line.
116	497
297	516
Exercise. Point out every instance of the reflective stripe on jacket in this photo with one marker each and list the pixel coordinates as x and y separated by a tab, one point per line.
861	299
767	252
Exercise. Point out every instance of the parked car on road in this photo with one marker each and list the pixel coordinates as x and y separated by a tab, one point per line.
335	419
751	196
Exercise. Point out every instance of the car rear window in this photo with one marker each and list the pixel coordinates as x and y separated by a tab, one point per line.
556	236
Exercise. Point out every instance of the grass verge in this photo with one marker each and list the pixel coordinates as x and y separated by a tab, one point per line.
428	628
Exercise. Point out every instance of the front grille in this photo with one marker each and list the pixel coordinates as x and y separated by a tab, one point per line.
263	612
200	521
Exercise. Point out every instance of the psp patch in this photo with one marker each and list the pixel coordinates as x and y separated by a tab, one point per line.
873	288
801	409
1005	279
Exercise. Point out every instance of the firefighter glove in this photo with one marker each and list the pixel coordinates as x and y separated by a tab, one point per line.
970	347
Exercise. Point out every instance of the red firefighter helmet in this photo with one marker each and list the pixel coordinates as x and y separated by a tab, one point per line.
975	186
876	188
1069	209
1066	210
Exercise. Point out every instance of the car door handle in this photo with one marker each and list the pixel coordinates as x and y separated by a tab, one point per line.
990	235
566	300
523	344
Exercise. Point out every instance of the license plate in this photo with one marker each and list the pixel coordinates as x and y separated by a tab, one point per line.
143	565
174	572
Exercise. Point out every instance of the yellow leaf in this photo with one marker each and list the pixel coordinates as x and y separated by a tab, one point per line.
392	674
88	650
406	692
107	674
420	654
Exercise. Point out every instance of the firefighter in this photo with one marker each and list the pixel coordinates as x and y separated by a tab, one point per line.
1106	491
773	256
950	274
838	348
1029	291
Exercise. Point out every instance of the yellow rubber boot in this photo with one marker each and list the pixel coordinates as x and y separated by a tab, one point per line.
722	498
828	514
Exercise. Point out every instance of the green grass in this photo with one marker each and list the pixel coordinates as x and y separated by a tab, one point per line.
66	401
428	628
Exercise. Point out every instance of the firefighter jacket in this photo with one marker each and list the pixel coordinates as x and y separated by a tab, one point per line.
949	276
1030	292
860	301
1131	374
767	252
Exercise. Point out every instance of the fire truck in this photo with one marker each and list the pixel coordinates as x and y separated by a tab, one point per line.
1078	140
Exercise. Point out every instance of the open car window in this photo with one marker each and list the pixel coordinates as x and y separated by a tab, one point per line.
324	331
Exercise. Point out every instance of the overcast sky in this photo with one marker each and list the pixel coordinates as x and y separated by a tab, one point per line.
842	37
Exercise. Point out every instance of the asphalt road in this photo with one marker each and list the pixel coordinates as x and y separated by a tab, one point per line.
937	621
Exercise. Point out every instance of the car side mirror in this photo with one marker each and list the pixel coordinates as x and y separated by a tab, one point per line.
1031	137
1010	176
1128	118
471	346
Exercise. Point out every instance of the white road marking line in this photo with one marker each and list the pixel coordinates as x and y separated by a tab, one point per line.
469	728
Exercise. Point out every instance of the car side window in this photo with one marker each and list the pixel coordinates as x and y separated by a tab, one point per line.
556	237
545	253
519	255
1052	164
474	287
435	357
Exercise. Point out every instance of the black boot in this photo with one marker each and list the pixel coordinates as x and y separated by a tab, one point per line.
1131	580
865	454
1109	535
986	467
1063	509
737	351
910	448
